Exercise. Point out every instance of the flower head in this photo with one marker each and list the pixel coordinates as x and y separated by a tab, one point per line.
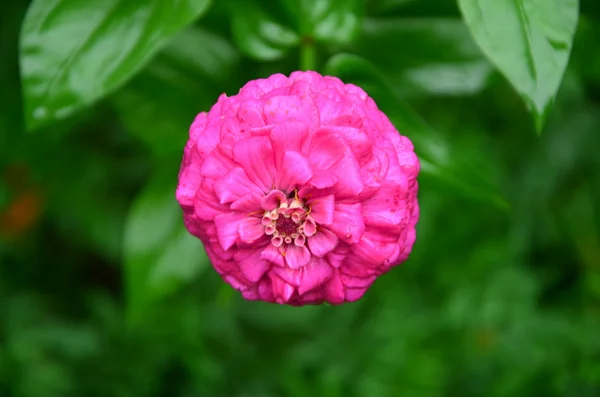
300	188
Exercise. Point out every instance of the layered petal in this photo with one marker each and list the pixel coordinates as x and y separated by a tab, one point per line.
322	209
322	242
255	156
296	257
251	265
227	224
314	274
287	137
348	222
294	171
250	229
233	185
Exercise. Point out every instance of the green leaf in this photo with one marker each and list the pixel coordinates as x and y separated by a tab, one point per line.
259	34
425	55
413	8
435	151
529	41
159	104
327	21
160	256
74	52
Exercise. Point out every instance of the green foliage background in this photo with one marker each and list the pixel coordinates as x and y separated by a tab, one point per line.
103	292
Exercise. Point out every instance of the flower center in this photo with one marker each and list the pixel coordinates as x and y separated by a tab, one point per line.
289	220
286	226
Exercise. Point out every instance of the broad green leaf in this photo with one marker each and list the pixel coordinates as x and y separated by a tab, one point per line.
259	34
529	41
74	52
184	79
425	55
434	149
327	21
160	255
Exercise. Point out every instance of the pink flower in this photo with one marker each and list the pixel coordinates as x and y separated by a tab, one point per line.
300	188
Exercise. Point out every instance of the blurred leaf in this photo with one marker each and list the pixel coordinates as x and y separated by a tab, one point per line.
529	41
425	55
327	21
258	34
74	52
585	61
159	254
4	195
413	8
436	154
159	104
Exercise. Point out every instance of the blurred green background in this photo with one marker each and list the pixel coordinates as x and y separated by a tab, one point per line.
103	292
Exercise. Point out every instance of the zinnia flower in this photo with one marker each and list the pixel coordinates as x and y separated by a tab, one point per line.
300	188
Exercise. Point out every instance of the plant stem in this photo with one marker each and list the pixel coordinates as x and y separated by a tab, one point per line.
307	55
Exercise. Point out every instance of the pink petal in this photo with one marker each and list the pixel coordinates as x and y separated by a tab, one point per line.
345	114
206	203
290	276
355	266
282	291
286	108
349	183
229	132
250	229
324	150
190	178
296	257
198	126
227	225
251	294
248	204
323	179
357	282
359	142
328	151
314	297
322	243
322	209
236	281
318	184
287	137
250	114
262	131
338	255
255	156
310	227
354	294
270	83
294	171
272	200
207	139
265	290
373	252
233	185
348	222
217	164
387	207
251	265
273	255
314	274
334	289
